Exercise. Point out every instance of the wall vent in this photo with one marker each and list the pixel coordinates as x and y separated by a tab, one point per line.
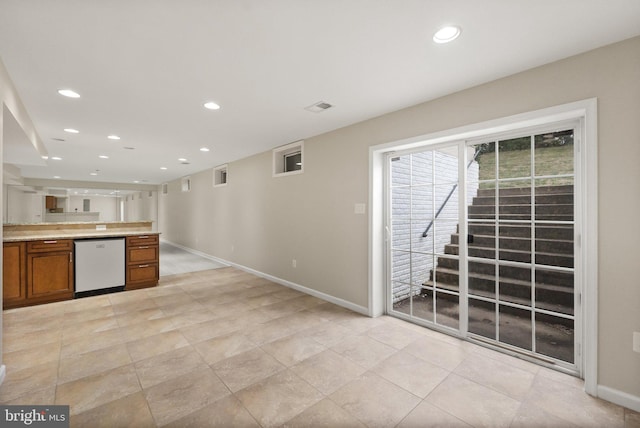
318	107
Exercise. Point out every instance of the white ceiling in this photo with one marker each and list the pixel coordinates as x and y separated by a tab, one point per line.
145	67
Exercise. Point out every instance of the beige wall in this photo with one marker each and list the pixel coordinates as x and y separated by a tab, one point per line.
310	217
141	206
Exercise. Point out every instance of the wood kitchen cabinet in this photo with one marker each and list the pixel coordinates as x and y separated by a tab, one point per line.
37	272
143	261
50	202
14	274
49	270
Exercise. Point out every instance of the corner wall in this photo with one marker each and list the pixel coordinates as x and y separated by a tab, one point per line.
263	222
10	99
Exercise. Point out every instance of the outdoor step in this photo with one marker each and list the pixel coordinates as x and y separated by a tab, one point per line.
560	231
546	276
548	199
512	217
547	296
523	244
522	209
566	307
506	274
551	259
540	190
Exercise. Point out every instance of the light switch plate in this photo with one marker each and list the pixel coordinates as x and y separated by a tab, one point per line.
359	208
101	227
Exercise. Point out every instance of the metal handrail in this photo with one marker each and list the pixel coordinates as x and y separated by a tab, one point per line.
453	189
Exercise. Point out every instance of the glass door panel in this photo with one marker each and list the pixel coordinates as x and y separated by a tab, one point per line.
424	220
518	286
521	224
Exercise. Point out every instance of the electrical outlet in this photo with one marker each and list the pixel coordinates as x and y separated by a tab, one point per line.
294	263
636	341
359	208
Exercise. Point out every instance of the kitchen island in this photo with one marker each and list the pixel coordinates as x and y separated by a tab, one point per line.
39	258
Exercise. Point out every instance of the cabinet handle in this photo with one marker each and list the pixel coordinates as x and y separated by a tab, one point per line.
142	248
143	237
50	242
70	257
143	266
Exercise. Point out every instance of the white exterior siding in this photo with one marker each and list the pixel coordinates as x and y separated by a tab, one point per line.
413	205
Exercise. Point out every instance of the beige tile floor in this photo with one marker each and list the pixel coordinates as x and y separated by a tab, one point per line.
225	348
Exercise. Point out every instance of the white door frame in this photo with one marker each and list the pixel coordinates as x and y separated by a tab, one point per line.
587	205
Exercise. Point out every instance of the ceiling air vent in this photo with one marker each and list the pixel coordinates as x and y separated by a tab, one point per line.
319	107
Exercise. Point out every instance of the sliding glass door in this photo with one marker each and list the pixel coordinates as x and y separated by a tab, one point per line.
482	241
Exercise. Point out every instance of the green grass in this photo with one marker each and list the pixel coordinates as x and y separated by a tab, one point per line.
517	163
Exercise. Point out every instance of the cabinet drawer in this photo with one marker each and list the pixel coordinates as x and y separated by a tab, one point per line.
141	240
142	254
49	245
145	273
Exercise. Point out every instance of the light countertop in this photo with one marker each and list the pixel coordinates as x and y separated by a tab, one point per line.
79	234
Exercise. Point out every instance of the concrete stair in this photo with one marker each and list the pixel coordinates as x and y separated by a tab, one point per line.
553	246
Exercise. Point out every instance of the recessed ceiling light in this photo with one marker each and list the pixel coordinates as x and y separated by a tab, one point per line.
446	34
71	130
55	158
164	168
136	181
211	105
93	173
45	157
204	149
103	157
69	93
182	160
113	137
56	176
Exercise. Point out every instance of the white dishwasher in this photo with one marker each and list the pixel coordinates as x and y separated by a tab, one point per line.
100	265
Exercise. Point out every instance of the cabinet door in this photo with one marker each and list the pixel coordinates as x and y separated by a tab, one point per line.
50	275
50	202
14	274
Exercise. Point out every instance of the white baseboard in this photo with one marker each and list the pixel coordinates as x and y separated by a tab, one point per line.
620	398
198	253
3	373
327	297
